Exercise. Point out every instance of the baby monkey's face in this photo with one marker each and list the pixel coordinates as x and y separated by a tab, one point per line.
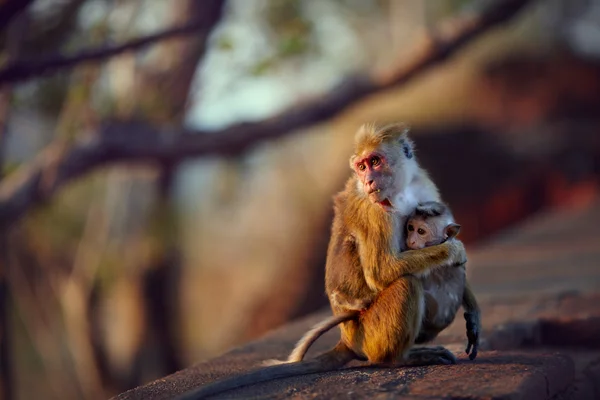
421	234
429	231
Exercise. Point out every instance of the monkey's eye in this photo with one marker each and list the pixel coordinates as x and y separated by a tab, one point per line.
361	167
410	228
421	231
375	161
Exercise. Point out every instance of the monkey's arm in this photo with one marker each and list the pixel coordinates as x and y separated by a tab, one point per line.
344	278
418	262
473	319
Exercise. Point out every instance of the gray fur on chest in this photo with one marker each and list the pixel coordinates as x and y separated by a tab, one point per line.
443	290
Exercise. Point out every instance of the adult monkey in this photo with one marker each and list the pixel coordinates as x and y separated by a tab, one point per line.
364	261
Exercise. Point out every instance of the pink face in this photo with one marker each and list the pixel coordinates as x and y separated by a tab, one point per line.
420	234
376	177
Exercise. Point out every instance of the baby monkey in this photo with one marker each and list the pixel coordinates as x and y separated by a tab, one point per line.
445	289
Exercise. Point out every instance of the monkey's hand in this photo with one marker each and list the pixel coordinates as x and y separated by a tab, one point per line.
458	254
473	330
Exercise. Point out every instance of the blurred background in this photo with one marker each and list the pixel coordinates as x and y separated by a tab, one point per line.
124	262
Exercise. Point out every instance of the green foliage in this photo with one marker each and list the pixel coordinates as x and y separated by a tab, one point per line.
446	8
163	229
291	34
292	45
109	269
224	43
262	67
47	94
9	167
291	28
60	223
281	13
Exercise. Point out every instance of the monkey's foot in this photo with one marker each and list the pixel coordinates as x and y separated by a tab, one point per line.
435	355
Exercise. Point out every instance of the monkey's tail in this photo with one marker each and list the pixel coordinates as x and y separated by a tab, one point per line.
319	329
333	359
311	336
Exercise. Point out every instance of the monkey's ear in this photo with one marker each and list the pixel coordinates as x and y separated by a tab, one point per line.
405	142
452	230
407	148
351	162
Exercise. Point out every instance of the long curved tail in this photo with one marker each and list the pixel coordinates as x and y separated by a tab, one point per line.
316	331
331	360
311	336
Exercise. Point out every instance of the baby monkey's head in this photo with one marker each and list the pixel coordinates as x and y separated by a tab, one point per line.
431	223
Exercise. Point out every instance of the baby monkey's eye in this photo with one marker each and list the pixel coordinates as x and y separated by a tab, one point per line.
410	228
375	161
421	231
361	167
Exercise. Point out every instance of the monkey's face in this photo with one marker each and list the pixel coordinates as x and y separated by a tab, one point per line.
375	176
420	234
429	231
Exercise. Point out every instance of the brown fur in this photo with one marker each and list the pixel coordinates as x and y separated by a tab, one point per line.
371	136
364	261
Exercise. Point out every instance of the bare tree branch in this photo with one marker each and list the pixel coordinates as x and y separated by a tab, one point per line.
135	142
13	42
21	70
9	9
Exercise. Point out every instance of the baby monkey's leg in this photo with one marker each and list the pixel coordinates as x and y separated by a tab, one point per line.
473	321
